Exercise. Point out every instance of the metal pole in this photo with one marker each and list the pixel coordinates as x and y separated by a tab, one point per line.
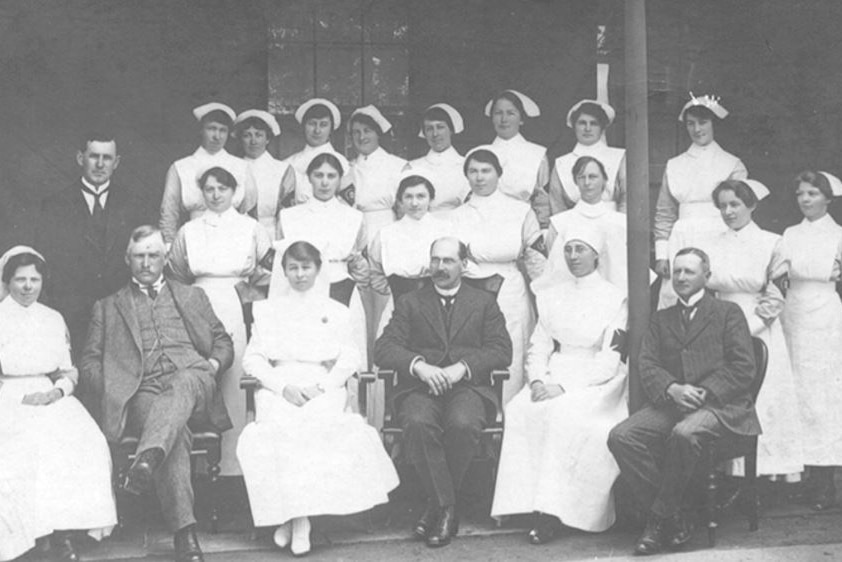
637	177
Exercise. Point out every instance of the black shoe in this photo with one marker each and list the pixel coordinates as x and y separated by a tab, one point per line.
139	478
680	532
652	539
426	523
62	546
187	545
445	529
544	529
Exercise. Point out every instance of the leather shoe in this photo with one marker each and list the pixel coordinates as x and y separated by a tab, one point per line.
544	529
187	545
680	532
139	478
426	522
62	547
652	539
445	529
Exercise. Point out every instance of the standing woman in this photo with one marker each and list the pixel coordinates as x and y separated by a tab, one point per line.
589	119
275	180
527	172
216	252
684	216
740	262
183	198
375	174
810	255
500	232
318	118
338	231
442	164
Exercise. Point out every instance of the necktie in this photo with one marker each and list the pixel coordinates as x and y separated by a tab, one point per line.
686	314
97	212
447	303
151	291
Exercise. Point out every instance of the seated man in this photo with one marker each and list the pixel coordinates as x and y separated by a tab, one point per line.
444	340
696	367
154	348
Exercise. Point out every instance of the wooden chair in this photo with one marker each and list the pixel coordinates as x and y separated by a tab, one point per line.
734	448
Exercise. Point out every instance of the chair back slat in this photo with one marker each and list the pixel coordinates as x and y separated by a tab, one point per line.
761	361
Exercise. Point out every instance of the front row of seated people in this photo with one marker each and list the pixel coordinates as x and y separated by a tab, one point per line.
156	347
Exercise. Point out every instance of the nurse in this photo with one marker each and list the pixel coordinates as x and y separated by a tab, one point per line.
442	164
589	119
182	193
526	168
275	180
319	118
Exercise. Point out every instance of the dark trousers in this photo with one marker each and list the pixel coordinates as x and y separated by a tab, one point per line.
158	415
658	450
441	437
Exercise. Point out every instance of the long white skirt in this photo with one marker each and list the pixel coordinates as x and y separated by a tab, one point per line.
311	460
555	456
55	469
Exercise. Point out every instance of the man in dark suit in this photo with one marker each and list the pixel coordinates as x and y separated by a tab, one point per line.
153	353
444	340
696	367
81	232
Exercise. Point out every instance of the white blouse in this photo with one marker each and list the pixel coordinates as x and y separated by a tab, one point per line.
301	160
375	178
521	161
275	182
445	171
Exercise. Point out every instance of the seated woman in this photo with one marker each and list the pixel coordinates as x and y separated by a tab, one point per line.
303	455
555	461
55	468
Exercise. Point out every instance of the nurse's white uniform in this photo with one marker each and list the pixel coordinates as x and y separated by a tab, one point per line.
811	253
445	170
275	182
521	161
564	193
740	266
301	159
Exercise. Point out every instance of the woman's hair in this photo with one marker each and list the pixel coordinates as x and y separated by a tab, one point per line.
486	157
437	114
302	251
583	161
325	158
739	188
257	123
221	175
592	109
817	180
366	120
217	116
700	112
317	111
508	96
22	260
412	181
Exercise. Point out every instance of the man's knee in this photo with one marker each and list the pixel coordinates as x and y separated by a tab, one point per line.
620	437
686	436
464	422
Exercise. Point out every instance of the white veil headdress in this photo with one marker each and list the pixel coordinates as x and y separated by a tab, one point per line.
4	259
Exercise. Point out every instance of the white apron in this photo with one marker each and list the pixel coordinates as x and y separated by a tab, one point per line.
521	160
268	174
610	157
191	168
301	159
445	171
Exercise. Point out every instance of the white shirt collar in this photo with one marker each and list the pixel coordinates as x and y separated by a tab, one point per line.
447	292
157	285
95	188
591	210
694	299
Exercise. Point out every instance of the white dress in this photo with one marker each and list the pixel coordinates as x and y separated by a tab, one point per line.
315	459
685	214
740	265
444	169
269	176
521	162
499	231
215	252
565	192
555	456
301	159
810	253
55	467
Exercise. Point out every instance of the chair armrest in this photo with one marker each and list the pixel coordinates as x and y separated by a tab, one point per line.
367	377
388	376
250	385
498	377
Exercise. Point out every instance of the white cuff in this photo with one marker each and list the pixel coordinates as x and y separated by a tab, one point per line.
65	385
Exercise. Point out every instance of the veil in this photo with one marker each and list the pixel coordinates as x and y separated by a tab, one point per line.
279	284
4	259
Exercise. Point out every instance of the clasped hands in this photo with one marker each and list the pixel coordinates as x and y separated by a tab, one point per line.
42	398
300	395
541	391
439	379
687	397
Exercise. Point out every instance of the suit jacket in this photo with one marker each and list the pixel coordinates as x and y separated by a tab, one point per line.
81	270
478	337
715	353
112	362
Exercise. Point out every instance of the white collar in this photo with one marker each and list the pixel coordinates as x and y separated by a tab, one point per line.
818	223
447	292
265	157
590	149
157	285
375	155
697	151
517	139
694	298
215	219
748	229
591	210
592	278
201	152
95	188
448	154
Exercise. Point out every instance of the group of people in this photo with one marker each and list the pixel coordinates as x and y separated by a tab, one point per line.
157	340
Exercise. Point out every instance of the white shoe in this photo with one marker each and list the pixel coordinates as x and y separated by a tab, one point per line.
300	536
283	534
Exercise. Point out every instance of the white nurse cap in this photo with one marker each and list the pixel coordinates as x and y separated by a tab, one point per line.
202	110
455	118
708	101
609	111
374	113
760	191
529	106
487	147
409	172
334	111
264	116
835	183
586	233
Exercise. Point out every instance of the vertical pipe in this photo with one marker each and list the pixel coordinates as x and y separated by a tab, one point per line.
637	162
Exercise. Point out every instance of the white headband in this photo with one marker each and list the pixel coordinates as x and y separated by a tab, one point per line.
708	101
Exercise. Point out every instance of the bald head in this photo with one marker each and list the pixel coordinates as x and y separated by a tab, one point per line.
448	259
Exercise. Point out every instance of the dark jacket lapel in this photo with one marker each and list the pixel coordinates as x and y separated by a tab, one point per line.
700	320
431	310
113	215
125	307
462	308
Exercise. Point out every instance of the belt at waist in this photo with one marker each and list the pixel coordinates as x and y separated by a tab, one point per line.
576	350
221	282
19	377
